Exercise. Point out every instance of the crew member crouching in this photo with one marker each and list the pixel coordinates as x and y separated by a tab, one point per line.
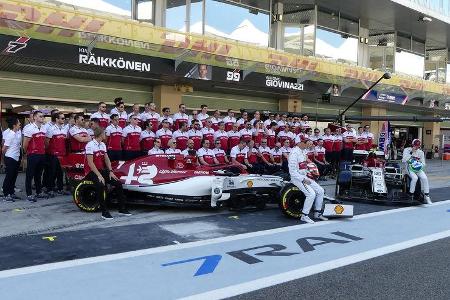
312	191
98	170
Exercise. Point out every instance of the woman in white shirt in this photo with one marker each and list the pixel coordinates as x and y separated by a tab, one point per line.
11	152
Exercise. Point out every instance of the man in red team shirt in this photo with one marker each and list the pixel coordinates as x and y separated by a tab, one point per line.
328	140
349	137
234	136
196	134
181	136
337	149
79	136
114	139
206	155
164	134
238	154
55	141
222	136
101	115
180	116
229	120
208	132
34	150
98	169
319	159
151	115
131	136
147	138
220	153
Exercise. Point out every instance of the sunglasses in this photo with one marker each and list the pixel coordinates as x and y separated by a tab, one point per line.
157	141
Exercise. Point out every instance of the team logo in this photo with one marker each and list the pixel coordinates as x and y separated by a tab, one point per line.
339	209
17	45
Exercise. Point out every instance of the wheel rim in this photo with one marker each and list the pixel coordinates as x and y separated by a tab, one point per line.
294	204
88	197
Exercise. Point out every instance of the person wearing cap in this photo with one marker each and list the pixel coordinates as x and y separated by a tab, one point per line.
313	192
414	152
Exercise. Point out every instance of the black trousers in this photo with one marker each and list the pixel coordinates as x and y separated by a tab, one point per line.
46	172
115	155
323	169
347	154
129	155
55	174
35	166
12	170
101	189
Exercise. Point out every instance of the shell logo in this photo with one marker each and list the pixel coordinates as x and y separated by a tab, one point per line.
249	183
339	209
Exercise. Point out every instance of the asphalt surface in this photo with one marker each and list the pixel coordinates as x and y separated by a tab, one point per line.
421	272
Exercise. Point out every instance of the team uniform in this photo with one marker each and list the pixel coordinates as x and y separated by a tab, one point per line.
147	140
283	136
271	138
196	136
181	138
239	154
207	155
57	136
208	134
164	135
155	151
136	115
13	140
347	152
220	155
131	142
173	151
337	149
103	119
328	141
35	156
369	136
76	146
233	138
222	136
123	118
178	118
361	137
114	142
229	122
319	155
246	134
152	118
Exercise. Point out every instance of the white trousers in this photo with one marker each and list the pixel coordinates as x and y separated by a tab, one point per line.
423	181
313	193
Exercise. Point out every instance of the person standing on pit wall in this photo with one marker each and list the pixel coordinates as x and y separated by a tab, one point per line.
34	150
313	192
98	170
414	159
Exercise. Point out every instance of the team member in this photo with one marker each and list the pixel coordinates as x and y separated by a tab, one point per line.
215	120
312	191
131	136
151	116
123	116
34	147
101	115
369	136
195	134
194	116
181	136
114	139
190	154
243	120
156	148
268	122
348	138
315	137
222	136
286	135
172	147
328	140
79	136
208	132
98	170
238	154
282	123
277	155
164	134
11	153
256	117
286	149
266	158
319	159
136	112
271	134
229	120
338	143
234	136
166	116
56	137
147	138
304	123
206	155
247	132
203	115
114	110
219	153
412	155
251	159
258	132
180	116
361	139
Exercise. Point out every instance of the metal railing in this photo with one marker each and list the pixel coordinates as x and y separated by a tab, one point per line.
440	6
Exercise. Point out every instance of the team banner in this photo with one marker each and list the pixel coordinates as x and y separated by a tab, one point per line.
384	138
44	21
387	97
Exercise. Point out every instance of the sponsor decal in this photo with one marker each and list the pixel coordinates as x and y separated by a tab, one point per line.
234	75
275	69
17	45
120	63
143	175
249	183
277	82
255	255
339	209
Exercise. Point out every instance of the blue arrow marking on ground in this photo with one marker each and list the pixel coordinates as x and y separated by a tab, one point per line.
208	266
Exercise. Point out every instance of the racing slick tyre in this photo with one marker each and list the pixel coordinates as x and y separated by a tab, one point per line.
291	201
85	196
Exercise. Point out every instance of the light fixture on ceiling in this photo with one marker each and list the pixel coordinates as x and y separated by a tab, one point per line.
425	19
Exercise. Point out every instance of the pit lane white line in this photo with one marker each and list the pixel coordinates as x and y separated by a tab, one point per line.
130	254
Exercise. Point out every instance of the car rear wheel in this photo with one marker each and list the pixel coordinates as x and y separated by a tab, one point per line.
85	196
292	201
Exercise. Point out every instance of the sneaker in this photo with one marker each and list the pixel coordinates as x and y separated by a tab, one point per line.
8	198
62	193
125	212
106	215
51	194
17	190
31	198
318	216
427	199
306	219
15	197
42	196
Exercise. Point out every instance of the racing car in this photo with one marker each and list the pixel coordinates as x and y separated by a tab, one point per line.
172	180
370	178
